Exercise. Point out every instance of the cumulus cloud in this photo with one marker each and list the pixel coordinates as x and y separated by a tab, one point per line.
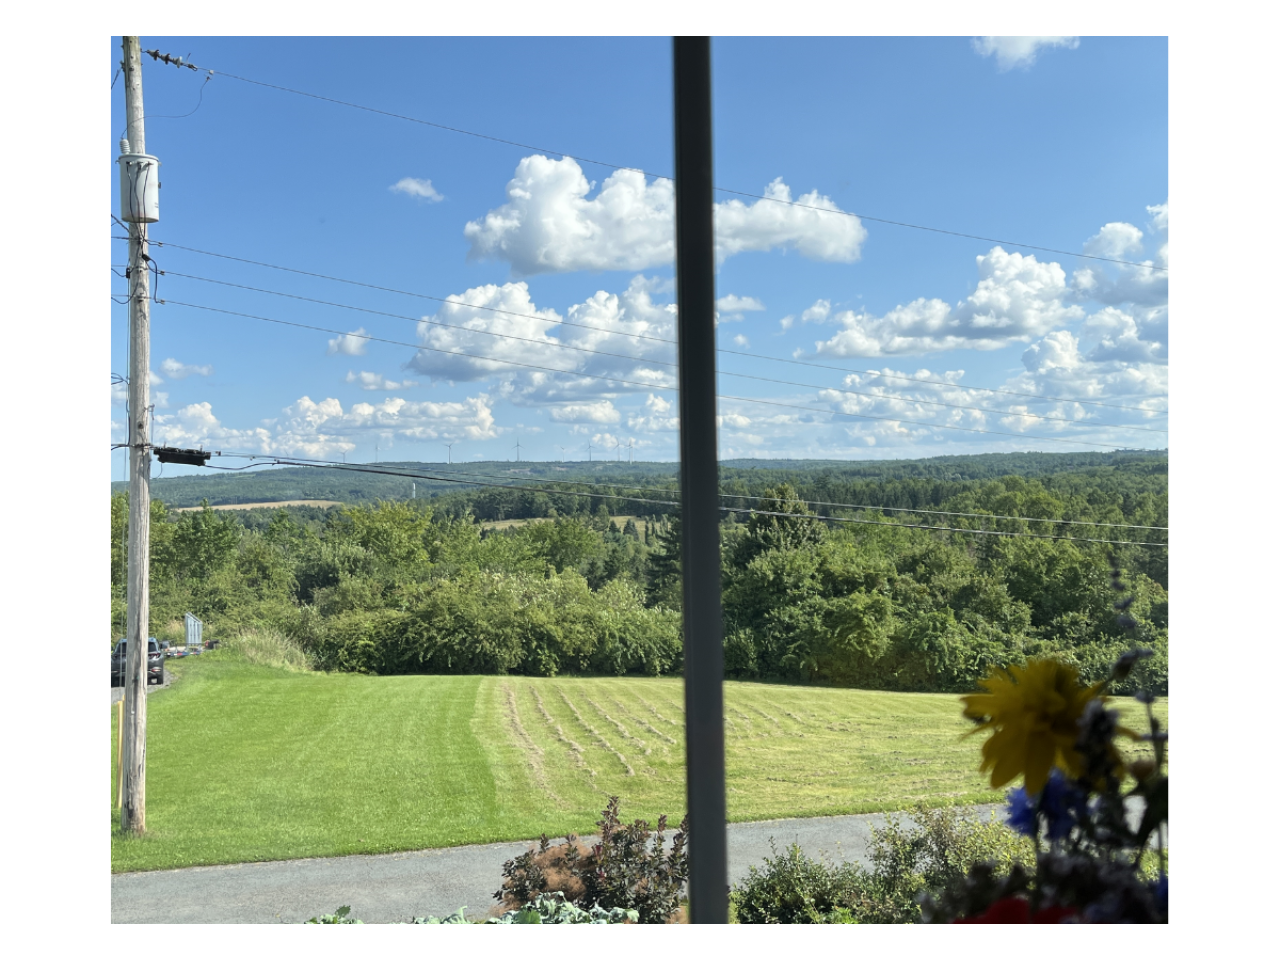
599	411
1017	298
421	189
180	371
1114	240
1013	52
320	429
658	416
548	224
732	303
1123	368
376	381
630	332
1146	284
350	344
741	340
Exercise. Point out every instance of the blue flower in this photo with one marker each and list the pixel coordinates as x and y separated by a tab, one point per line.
1060	804
1022	812
1160	891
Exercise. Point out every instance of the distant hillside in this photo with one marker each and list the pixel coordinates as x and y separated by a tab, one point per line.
275	484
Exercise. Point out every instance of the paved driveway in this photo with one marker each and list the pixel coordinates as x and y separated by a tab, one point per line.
397	886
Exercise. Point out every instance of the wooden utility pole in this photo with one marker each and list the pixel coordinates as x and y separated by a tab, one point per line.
133	812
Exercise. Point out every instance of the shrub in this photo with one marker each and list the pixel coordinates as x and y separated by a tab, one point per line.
794	888
906	863
628	869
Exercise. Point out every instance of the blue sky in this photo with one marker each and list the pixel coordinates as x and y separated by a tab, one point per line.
1056	142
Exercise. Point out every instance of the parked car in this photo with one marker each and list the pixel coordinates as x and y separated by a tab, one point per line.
155	663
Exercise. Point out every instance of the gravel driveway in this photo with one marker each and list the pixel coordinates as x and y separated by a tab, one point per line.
118	692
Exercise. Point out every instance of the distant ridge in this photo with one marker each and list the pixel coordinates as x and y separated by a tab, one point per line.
276	484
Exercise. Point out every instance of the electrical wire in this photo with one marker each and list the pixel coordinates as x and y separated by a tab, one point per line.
640	336
637	383
658	176
290	461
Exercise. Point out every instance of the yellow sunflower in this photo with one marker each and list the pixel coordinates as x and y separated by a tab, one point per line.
1034	712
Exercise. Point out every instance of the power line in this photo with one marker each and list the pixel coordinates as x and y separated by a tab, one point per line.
665	363
299	462
638	336
637	383
657	176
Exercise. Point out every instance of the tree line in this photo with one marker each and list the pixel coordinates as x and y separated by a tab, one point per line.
423	586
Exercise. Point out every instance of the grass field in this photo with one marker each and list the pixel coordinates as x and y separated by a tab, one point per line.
265	503
619	519
247	762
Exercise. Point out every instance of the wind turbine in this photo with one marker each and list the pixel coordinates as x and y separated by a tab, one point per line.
588	451
563	451
617	447
629	444
449	446
517	448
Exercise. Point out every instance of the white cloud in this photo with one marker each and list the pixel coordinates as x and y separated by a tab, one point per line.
599	411
376	381
1146	285
657	417
180	371
767	224
422	189
1159	216
548	225
351	344
818	313
1013	52
732	303
741	340
1123	368
1017	298
631	333
323	429
1114	240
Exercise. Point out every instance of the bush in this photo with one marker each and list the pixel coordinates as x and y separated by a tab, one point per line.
794	888
906	863
628	869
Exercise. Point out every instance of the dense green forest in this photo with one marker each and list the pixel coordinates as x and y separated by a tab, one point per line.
387	584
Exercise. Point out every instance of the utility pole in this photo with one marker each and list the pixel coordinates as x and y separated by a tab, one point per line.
699	484
134	164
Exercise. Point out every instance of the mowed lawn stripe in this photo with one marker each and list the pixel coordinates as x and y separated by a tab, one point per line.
253	763
248	763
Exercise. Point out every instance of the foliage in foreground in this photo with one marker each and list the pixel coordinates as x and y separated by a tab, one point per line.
905	860
545	908
1092	861
628	869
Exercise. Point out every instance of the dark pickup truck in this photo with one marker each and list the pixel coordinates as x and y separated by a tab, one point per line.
155	663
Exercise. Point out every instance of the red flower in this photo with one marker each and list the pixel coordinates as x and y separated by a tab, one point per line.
1017	910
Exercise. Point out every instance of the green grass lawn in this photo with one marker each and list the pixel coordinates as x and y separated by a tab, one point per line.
248	762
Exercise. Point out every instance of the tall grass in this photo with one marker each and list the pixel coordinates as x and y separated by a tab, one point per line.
265	647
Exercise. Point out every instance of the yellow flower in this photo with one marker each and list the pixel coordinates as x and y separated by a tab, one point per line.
1033	711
